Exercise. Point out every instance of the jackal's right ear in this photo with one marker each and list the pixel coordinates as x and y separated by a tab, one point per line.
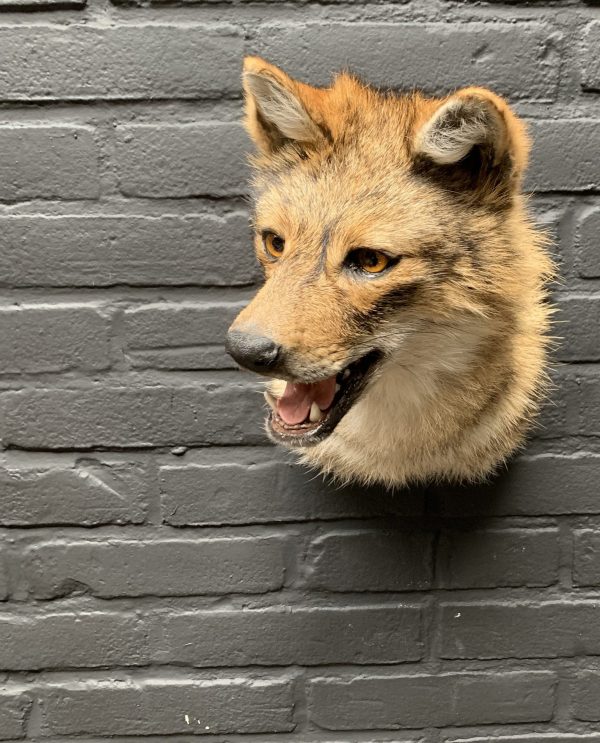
277	107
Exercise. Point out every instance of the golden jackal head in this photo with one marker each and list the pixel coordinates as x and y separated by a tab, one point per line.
401	321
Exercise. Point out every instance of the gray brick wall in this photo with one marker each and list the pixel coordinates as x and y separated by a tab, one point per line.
164	573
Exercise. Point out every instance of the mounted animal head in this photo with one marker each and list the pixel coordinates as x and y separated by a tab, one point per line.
401	324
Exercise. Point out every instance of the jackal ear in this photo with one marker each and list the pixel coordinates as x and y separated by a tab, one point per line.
277	107
474	136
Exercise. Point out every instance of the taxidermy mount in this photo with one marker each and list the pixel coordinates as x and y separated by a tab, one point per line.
402	323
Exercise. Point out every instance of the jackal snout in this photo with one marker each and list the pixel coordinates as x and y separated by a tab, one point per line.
254	351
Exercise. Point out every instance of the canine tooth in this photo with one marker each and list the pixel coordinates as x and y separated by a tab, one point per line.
277	387
271	400
315	413
346	373
337	388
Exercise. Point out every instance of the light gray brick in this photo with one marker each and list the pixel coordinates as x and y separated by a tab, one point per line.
64	251
47	162
169	567
182	160
118	62
49	338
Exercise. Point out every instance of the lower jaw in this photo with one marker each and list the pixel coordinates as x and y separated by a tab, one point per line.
300	436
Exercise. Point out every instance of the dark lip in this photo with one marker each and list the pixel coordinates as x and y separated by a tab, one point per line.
360	373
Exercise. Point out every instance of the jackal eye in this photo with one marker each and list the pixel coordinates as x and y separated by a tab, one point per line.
368	260
273	243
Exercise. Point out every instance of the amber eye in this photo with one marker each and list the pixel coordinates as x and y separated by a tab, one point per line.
274	245
367	260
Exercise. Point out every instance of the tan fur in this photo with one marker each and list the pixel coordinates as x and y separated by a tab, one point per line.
465	346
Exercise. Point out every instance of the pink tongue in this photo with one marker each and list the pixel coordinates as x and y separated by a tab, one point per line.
294	405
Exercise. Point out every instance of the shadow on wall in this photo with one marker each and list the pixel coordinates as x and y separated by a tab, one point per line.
442	536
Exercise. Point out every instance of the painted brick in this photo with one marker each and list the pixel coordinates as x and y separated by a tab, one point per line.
132	416
590	64
586	557
556	162
170	567
588	255
290	635
71	640
419	701
507	630
182	160
579	316
535	738
166	707
13	712
370	561
46	338
48	162
118	62
559	414
588	404
547	484
89	493
138	251
252	490
519	61
13	5
585	696
3	577
503	557
182	335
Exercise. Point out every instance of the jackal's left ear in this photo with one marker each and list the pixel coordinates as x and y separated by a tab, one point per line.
474	129
277	107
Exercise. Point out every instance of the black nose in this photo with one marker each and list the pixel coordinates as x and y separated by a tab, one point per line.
256	352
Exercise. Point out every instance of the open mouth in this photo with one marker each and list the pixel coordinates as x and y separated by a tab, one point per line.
307	413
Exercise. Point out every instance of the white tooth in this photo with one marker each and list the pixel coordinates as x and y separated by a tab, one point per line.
315	413
271	400
277	387
346	373
337	388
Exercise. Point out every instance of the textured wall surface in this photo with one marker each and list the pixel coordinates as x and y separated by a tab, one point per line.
164	573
